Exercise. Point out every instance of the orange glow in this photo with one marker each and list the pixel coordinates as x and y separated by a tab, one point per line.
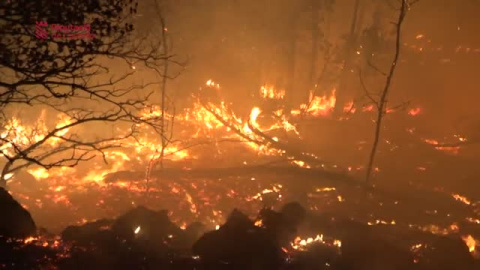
39	173
461	198
271	93
325	189
259	223
302	244
29	240
414	111
368	108
211	83
470	242
349	107
455	150
301	164
320	105
382	222
64	120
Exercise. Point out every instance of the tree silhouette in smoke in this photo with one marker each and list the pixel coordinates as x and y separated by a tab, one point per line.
71	76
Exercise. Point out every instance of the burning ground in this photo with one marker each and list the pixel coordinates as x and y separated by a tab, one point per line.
256	156
263	172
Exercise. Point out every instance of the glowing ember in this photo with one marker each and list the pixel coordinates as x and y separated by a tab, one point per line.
259	223
275	189
414	111
473	220
301	164
325	189
470	242
29	240
447	149
383	222
416	247
211	83
302	244
461	198
460	138
434	229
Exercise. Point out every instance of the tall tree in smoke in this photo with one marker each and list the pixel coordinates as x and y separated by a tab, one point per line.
350	45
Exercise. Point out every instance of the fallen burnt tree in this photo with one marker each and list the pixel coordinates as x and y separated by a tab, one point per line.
255	135
230	171
251	133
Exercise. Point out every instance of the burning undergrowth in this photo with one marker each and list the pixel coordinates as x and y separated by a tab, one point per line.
291	237
251	161
339	212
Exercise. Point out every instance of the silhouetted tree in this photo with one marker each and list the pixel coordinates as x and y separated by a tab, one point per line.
71	71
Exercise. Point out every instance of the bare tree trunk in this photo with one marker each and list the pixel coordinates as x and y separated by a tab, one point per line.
341	95
314	52
290	66
164	91
382	103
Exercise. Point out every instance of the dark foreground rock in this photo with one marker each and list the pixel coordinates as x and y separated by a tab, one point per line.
448	253
15	221
139	239
145	224
147	239
239	244
16	225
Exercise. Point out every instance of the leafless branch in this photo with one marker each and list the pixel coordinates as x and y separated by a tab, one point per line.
382	103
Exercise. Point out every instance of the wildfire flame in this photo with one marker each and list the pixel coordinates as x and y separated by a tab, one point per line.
470	242
319	105
202	123
269	92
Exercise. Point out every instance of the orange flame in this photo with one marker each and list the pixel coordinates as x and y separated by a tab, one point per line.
269	92
470	242
320	105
